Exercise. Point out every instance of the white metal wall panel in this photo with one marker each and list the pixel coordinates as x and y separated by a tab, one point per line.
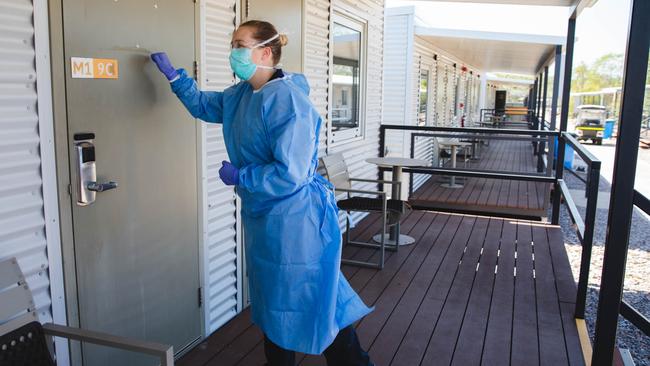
317	59
395	69
356	152
22	217
441	94
461	90
424	146
221	252
452	80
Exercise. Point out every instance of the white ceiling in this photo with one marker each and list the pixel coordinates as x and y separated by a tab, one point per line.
494	52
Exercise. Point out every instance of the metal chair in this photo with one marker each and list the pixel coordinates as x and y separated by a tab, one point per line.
24	341
336	171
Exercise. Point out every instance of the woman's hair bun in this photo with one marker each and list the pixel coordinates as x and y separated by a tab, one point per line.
283	39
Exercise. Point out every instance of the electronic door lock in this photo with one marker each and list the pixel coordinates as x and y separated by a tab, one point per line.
87	186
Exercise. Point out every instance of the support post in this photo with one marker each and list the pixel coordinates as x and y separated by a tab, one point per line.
542	144
556	91
539	95
621	202
564	116
535	125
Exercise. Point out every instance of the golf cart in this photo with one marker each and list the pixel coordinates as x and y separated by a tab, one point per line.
590	123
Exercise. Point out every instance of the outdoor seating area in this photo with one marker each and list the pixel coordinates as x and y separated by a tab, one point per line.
471	290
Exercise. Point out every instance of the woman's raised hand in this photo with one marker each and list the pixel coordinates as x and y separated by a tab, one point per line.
164	65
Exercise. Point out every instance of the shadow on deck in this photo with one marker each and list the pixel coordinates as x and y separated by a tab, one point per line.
491	196
471	291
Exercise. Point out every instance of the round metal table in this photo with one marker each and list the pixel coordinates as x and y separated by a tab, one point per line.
397	163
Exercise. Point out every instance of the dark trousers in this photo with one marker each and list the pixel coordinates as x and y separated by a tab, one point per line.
344	351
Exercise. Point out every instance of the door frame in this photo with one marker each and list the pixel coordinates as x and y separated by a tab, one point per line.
64	174
49	172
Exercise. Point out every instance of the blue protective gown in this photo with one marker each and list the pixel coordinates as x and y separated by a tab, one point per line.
299	297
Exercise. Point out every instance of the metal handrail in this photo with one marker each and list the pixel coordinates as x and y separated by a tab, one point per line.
478	174
628	311
635	317
493	131
584	227
585	154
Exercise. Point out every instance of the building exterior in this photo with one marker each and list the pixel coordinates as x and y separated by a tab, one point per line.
171	228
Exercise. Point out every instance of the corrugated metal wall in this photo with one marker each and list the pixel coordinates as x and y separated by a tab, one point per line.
221	252
425	147
22	218
317	58
395	81
450	87
356	152
445	82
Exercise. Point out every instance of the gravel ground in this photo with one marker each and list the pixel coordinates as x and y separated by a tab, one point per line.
637	287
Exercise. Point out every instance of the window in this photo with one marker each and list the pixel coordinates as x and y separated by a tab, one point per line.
347	78
424	97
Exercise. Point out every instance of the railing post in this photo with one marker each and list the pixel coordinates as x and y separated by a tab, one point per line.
382	152
539	96
564	117
412	157
542	144
534	100
593	182
535	116
529	105
621	202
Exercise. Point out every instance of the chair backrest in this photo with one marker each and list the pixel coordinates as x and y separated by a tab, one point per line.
336	170
17	306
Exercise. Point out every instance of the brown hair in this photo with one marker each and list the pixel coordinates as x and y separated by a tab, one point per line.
265	30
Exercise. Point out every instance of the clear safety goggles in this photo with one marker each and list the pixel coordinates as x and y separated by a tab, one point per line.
257	45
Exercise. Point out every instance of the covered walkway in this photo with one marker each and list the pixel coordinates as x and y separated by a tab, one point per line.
472	290
491	196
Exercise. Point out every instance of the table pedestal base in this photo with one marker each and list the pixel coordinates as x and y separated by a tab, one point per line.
403	239
450	185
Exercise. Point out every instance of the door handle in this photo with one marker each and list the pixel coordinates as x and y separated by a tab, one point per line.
87	186
101	187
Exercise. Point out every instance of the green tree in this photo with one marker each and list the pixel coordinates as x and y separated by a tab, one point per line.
609	69
580	76
605	72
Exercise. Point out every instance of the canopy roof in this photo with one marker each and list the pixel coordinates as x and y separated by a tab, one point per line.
524	2
494	52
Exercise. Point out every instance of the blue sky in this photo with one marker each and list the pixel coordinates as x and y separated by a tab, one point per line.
600	30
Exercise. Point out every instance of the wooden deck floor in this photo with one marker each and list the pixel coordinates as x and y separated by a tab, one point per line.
491	196
470	291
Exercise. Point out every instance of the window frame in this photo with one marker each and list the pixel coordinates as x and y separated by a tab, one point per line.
344	18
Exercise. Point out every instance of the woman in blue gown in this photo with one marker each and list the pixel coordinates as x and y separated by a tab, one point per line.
299	297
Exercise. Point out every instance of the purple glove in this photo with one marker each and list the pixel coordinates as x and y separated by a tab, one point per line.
164	65
229	174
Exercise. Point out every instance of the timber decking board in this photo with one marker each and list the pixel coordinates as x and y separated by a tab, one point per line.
490	196
450	298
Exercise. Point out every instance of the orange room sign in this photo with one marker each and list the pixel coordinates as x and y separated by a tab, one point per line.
93	68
